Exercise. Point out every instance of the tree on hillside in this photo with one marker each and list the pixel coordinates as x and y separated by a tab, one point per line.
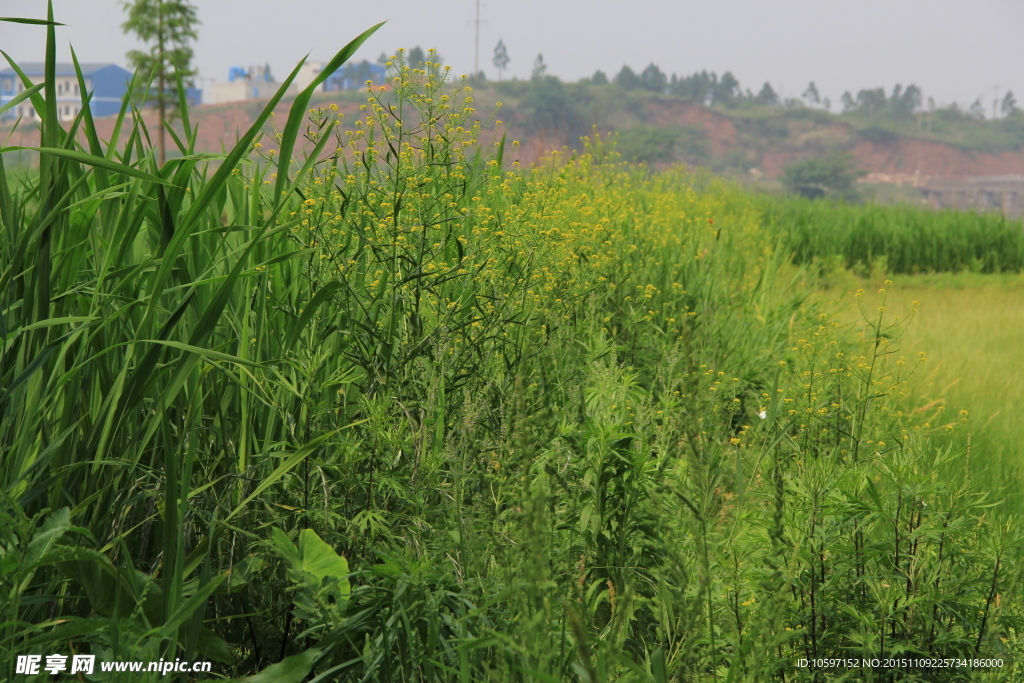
627	79
833	175
556	112
698	87
501	58
977	109
647	144
599	78
726	91
167	27
359	72
811	95
904	102
434	63
1009	106
653	79
540	69
848	102
417	58
767	97
871	101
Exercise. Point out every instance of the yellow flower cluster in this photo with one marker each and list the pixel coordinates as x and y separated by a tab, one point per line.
420	220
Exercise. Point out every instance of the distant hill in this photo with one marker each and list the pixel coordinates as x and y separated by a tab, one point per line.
750	140
755	140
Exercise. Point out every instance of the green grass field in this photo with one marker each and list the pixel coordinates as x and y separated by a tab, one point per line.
972	329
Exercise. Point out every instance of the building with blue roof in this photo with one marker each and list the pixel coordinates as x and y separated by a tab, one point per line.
355	76
108	84
347	77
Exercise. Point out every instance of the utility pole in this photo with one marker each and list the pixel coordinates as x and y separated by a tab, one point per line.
476	50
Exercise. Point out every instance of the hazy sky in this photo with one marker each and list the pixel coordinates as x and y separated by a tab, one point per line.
955	50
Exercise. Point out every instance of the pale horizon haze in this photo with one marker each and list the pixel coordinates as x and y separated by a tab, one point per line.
955	51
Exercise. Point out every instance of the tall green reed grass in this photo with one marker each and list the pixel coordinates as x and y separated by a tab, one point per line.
897	239
388	407
124	288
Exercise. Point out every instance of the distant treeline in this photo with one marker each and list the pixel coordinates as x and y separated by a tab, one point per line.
710	89
561	112
704	87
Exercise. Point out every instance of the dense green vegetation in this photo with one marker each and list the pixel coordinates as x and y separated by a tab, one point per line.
391	409
896	239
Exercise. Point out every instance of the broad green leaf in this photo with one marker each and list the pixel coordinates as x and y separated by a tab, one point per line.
241	573
292	669
212	646
320	560
284	546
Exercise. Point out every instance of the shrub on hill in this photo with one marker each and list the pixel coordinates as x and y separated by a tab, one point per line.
833	175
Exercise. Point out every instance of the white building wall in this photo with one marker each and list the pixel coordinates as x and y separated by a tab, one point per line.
69	99
310	70
241	91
